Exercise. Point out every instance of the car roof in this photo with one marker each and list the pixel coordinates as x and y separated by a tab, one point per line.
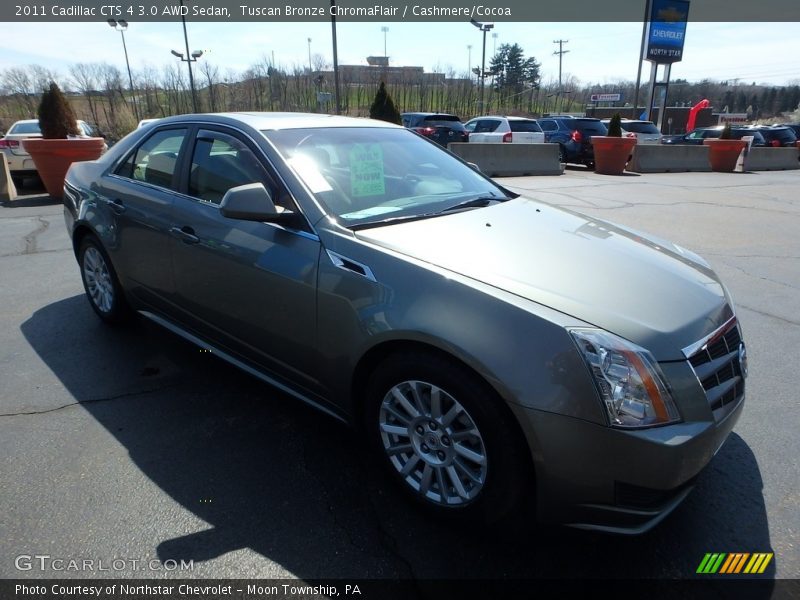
509	118
279	120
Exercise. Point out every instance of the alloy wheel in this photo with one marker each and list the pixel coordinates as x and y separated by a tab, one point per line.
433	443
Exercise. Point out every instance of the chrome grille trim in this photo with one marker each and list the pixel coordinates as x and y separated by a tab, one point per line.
717	362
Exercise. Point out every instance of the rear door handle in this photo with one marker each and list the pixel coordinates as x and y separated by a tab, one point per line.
185	233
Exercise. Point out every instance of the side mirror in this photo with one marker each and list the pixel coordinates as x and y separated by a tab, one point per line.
252	202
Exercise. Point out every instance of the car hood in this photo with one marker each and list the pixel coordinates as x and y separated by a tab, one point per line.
646	290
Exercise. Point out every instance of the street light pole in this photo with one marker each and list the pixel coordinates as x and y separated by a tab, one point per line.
309	56
385	30
561	52
189	60
335	59
484	27
469	61
121	26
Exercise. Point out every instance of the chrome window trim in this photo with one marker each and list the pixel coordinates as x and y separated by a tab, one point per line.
201	123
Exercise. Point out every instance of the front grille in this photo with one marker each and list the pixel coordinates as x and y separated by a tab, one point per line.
718	367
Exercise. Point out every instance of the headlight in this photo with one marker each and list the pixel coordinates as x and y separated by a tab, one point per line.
629	381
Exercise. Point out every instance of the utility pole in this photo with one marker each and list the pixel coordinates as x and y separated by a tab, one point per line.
560	52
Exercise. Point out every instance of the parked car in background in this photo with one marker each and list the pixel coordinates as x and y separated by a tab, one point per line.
144	122
20	163
778	135
573	136
794	127
696	136
438	127
497	352
645	132
516	130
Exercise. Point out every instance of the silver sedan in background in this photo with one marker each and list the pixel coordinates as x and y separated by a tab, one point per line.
497	352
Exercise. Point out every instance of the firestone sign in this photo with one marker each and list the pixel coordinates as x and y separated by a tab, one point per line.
606	97
666	30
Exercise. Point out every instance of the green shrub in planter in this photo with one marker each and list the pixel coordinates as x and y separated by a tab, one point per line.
57	120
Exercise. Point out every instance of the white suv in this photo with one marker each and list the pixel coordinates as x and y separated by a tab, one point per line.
19	162
517	130
645	131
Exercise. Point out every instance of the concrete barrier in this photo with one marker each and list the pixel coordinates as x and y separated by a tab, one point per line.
772	159
8	190
510	160
668	158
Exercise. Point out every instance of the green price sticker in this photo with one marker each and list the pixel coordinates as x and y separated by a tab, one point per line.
366	170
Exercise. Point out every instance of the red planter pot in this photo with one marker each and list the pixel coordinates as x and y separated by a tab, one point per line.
53	158
611	153
723	154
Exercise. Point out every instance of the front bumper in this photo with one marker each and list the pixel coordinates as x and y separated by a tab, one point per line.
592	476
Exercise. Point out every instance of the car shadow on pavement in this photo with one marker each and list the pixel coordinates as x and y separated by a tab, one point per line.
271	475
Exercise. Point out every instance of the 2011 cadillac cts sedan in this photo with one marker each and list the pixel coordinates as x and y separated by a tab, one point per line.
499	353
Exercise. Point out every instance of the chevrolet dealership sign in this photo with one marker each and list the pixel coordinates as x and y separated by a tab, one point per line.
666	30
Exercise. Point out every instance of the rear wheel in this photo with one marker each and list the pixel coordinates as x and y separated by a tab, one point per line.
18	182
445	438
562	154
100	282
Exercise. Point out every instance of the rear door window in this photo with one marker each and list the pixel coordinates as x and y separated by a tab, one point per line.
525	126
590	127
449	121
548	125
641	128
487	125
156	159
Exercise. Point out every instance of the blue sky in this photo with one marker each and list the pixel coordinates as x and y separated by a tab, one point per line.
602	53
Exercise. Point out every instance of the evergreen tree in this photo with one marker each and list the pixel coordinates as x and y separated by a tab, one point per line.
512	70
57	120
383	107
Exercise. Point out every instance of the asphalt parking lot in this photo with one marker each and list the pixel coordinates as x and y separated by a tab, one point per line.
132	444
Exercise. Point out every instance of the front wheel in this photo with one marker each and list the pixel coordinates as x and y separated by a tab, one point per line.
444	437
100	282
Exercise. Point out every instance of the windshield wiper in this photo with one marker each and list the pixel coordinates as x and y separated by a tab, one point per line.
474	203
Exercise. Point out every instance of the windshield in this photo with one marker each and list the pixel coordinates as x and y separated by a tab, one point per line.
364	175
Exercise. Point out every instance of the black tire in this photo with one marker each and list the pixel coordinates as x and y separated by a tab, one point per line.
18	182
508	472
97	273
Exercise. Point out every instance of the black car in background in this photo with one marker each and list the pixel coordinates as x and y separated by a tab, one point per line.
438	127
696	136
573	137
778	135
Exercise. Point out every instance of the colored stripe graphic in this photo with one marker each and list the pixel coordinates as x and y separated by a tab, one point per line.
711	562
758	564
733	563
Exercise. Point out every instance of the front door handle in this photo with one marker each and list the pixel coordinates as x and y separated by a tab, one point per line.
185	233
117	206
